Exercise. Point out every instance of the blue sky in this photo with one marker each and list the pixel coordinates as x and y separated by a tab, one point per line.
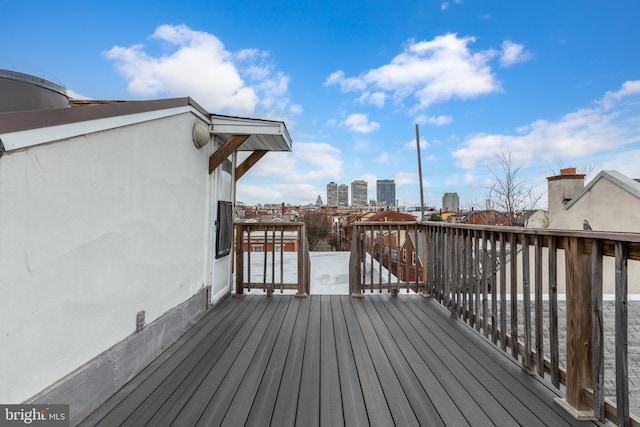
557	83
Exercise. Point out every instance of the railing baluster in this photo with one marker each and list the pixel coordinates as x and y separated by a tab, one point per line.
273	261
456	272
389	258
415	258
450	277
597	330
281	259
371	246
553	312
527	361
494	290
485	285
249	250
407	260
398	258
380	259
503	291
264	266
467	290
476	279
513	262
538	301
622	367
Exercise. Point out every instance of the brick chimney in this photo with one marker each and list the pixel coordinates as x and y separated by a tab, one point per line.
562	188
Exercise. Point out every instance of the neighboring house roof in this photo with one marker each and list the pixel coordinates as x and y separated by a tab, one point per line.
23	129
630	185
487	217
392	216
445	215
528	217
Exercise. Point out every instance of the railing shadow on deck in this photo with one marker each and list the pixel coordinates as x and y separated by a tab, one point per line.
478	272
270	240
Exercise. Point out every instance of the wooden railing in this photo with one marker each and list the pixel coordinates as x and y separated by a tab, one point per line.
382	257
274	240
498	279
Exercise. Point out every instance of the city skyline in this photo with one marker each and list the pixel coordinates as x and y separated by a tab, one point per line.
557	84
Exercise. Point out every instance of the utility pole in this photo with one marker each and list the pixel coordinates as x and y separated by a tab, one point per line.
420	174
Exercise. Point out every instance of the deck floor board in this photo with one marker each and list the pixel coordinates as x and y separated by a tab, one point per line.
329	361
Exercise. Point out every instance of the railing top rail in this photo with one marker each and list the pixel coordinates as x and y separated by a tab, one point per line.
386	223
270	224
586	234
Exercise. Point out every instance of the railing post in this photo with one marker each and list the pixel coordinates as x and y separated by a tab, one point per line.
355	274
239	261
302	264
578	274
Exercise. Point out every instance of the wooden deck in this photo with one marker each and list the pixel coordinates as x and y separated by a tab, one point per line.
331	361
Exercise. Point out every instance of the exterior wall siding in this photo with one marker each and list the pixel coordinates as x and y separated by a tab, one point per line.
100	227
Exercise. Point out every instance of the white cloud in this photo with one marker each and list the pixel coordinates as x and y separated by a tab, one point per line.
412	146
252	194
434	120
360	123
310	161
376	98
513	53
404	178
582	133
445	5
432	71
629	88
383	158
296	176
198	65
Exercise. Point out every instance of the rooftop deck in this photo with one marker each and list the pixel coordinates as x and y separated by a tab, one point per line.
332	360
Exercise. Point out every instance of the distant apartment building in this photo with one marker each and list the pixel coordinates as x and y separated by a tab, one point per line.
359	193
332	194
450	202
343	195
386	192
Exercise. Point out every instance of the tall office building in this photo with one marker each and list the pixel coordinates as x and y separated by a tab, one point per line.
450	202
386	192
332	194
359	193
343	195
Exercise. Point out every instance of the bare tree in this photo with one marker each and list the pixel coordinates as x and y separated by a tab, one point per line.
585	168
318	226
510	193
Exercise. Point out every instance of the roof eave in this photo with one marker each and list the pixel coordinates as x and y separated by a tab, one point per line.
269	135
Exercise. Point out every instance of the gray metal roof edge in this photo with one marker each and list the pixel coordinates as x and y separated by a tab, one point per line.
35	119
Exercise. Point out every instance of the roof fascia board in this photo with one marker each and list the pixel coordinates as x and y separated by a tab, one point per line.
247	128
225	125
32	137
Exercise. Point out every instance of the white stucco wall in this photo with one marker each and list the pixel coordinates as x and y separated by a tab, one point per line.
93	230
607	207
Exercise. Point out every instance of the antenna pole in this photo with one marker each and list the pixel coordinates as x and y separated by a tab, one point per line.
420	174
